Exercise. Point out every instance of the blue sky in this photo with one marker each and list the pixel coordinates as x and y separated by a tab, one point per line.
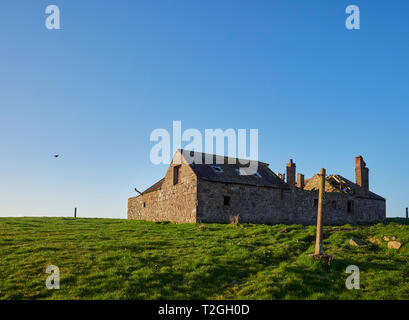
94	91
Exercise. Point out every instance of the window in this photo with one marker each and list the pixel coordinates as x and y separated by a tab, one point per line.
315	203
350	206
334	204
144	204
217	169
282	194
176	175
241	172
226	200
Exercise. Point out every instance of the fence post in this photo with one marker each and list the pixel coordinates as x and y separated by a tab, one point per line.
318	241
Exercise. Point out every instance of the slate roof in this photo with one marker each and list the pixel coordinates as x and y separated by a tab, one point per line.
230	172
337	183
154	187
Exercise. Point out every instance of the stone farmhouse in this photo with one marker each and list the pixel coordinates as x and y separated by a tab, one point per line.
193	192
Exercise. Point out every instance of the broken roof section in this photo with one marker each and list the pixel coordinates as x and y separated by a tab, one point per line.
337	183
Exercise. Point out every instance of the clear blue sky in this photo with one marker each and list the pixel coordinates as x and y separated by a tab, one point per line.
94	90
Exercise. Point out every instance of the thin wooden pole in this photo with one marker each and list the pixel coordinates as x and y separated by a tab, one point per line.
318	241
75	212
407	215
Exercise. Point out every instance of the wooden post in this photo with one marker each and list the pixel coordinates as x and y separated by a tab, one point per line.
318	241
407	217
75	212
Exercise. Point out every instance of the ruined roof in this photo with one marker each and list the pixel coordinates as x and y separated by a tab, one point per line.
337	183
230	172
154	187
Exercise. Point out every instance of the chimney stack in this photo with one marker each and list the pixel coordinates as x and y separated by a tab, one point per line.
300	181
291	173
362	175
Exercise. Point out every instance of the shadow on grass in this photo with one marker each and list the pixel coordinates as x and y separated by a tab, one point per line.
205	279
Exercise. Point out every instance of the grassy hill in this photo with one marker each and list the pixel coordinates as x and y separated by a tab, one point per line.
121	259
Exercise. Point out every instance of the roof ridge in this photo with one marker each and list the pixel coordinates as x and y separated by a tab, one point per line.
225	157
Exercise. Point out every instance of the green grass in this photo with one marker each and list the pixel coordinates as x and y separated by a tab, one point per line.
121	259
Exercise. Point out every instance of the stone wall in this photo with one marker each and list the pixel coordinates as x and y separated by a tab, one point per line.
174	203
194	199
253	204
270	206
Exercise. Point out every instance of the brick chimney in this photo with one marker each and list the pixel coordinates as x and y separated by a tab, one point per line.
362	175
291	173
300	181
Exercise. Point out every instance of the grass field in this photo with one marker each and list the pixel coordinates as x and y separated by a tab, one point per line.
121	259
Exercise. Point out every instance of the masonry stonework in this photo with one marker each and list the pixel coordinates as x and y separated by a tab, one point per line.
273	206
205	194
174	203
